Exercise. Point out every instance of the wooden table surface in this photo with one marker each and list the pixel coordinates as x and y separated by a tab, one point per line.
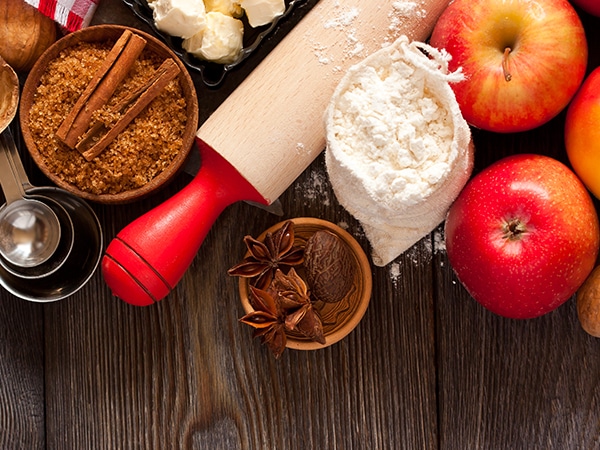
427	368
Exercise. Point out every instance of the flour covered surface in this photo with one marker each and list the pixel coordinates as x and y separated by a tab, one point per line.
398	150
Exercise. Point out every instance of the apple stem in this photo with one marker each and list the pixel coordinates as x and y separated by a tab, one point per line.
514	229
507	75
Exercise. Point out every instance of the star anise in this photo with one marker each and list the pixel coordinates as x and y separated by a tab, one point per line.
277	251
267	320
292	290
284	306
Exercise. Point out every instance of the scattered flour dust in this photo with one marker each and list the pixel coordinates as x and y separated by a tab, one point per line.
345	18
395	273
342	20
402	11
343	225
439	241
313	188
419	254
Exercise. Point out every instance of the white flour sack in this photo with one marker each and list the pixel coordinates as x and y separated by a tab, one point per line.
398	149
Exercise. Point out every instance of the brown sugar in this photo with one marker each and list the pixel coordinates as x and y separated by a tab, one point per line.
138	154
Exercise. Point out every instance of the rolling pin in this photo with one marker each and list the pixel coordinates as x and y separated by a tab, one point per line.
260	139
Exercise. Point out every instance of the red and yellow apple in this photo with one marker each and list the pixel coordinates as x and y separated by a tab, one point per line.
590	6
523	60
582	132
523	236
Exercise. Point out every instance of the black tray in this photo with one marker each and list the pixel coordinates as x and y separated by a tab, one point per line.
212	74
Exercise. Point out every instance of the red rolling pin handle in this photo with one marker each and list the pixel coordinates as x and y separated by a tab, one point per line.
146	259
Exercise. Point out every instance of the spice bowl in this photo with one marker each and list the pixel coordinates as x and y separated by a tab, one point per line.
338	318
149	126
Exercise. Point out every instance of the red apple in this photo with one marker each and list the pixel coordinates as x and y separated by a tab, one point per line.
523	236
582	133
523	60
590	6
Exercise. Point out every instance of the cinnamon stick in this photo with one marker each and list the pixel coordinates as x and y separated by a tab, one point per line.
103	84
92	143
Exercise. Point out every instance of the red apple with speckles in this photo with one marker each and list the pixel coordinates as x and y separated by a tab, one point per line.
590	6
523	60
523	236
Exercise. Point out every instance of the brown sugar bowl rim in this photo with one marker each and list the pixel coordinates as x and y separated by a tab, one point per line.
99	33
360	294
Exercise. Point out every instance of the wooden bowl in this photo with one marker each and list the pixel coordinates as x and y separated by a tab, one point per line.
339	318
108	34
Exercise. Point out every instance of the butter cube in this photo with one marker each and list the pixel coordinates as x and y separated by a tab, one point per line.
220	41
262	12
182	18
229	7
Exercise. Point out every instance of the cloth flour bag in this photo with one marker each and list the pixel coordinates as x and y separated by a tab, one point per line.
398	149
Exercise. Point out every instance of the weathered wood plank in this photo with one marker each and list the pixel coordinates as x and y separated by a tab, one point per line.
21	374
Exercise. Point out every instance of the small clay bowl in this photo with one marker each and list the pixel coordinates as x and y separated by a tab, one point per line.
109	34
339	318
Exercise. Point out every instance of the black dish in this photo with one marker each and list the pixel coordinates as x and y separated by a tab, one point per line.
212	74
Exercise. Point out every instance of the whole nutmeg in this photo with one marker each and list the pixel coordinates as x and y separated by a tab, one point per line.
588	303
329	267
25	33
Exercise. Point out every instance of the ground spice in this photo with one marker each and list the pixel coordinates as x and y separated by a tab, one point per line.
138	154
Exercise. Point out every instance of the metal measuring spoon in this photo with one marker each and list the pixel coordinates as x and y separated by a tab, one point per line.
65	245
78	267
29	229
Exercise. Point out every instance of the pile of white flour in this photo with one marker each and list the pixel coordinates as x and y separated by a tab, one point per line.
398	149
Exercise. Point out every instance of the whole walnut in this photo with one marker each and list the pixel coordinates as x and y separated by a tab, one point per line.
588	304
24	34
329	267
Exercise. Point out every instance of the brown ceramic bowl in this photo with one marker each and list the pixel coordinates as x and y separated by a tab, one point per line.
339	318
106	34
